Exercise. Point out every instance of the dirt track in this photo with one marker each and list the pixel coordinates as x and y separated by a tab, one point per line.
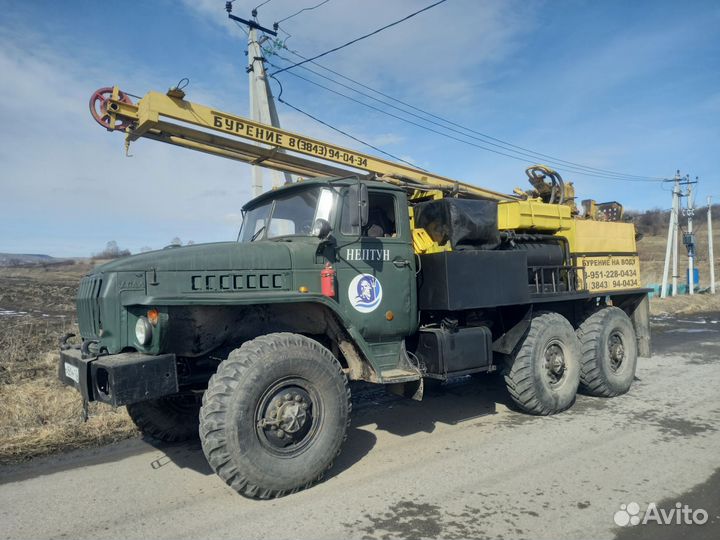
460	464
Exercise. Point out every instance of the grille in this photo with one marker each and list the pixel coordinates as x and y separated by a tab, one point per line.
88	307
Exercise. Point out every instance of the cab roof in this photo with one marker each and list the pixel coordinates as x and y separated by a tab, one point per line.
311	182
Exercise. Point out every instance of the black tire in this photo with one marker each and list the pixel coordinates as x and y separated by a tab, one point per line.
275	383
169	419
609	353
543	374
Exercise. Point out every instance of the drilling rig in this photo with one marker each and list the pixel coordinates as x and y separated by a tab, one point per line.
364	270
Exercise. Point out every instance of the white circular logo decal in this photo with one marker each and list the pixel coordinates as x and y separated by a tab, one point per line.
365	293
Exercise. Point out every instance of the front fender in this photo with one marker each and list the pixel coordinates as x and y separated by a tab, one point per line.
359	355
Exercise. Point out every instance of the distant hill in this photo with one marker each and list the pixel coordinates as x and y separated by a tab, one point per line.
655	222
27	259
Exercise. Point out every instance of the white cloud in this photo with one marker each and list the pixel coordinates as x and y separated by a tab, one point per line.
454	43
385	139
233	218
63	174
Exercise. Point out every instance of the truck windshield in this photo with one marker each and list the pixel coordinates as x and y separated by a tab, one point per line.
293	214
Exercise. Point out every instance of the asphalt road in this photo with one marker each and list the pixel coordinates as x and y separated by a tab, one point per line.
460	464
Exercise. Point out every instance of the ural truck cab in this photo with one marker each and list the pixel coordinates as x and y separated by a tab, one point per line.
388	279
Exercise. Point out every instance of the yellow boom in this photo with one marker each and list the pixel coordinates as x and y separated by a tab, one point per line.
171	119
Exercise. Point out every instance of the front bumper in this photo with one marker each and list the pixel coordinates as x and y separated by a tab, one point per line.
119	379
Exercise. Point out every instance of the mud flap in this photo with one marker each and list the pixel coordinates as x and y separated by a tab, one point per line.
641	322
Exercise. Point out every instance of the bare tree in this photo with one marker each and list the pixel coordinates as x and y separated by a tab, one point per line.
112	251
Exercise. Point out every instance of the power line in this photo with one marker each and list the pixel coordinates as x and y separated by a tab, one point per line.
436	131
487	139
303	9
573	167
288	34
578	169
261	4
284	102
362	37
241	27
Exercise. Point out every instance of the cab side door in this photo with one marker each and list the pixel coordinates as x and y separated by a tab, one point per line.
375	267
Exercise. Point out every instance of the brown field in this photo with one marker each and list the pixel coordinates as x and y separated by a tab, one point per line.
652	258
37	305
37	414
652	253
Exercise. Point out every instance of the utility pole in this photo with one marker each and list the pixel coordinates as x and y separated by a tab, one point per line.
671	248
711	260
689	237
676	232
262	104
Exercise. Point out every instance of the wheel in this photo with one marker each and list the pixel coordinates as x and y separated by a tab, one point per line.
169	419
275	415
543	375
609	353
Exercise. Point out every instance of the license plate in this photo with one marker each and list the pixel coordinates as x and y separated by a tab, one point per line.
72	372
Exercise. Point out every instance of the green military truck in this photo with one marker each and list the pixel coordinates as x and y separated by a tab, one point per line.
251	344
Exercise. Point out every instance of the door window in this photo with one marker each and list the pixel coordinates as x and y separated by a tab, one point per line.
381	217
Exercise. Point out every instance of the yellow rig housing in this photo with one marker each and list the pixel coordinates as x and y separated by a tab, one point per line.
603	252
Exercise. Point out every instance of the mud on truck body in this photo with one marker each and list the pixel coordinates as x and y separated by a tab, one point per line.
251	344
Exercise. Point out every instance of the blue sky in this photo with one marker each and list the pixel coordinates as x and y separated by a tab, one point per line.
626	86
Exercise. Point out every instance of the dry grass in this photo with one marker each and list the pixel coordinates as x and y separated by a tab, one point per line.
38	415
685	304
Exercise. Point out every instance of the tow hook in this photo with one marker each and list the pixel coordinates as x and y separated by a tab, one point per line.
85	347
64	345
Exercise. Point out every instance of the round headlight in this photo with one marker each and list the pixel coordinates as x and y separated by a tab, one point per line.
143	331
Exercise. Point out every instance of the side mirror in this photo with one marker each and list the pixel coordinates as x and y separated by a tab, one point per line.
321	228
358	204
